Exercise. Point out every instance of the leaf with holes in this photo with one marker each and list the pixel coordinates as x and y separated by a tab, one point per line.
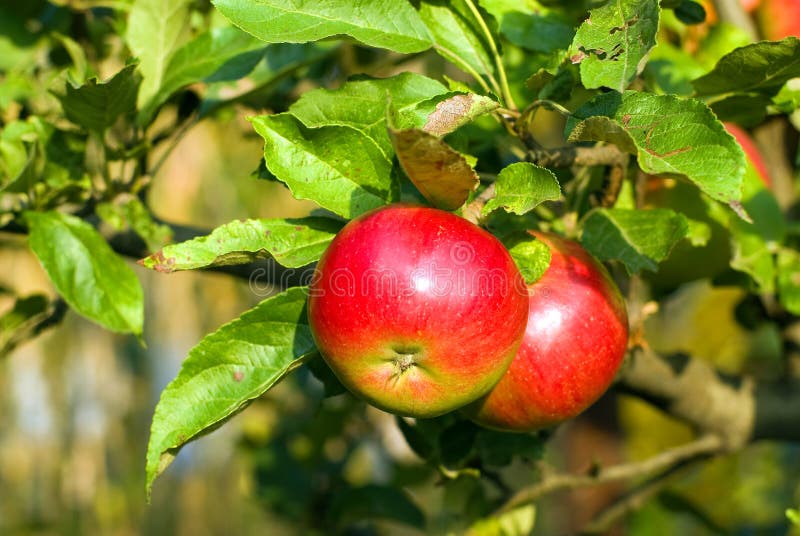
669	135
613	42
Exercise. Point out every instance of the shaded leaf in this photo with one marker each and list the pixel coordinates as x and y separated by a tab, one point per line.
86	272
613	42
226	370
521	187
457	35
538	29
789	280
760	67
440	173
671	135
293	243
97	105
390	24
517	522
22	320
338	167
640	239
531	256
754	243
376	502
219	48
128	212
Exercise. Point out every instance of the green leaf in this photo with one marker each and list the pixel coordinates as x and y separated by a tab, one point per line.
154	31
793	516
226	370
218	49
640	239
754	243
19	149
539	29
457	35
87	273
789	280
670	135
531	256
439	172
757	68
338	167
354	505
391	24
128	212
293	243
517	522
613	42
97	105
521	187
361	104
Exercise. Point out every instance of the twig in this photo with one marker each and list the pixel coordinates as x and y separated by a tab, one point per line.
613	183
634	499
472	212
704	446
562	157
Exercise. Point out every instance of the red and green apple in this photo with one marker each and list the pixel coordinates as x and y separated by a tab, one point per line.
417	310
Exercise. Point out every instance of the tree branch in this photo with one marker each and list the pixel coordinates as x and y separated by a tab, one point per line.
705	446
561	157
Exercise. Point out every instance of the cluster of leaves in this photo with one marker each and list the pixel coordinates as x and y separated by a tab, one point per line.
77	155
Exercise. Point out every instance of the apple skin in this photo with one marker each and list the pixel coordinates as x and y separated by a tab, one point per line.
574	343
750	149
417	310
779	19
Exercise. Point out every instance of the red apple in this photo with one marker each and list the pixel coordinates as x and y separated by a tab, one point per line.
779	19
574	343
750	150
417	310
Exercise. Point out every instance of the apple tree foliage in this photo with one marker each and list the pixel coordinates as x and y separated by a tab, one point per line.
566	116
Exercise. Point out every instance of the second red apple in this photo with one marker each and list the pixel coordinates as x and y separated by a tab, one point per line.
574	344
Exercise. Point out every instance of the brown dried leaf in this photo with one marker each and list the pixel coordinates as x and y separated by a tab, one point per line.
440	173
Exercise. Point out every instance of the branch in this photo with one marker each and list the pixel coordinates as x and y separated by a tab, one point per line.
561	157
634	499
703	447
693	391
